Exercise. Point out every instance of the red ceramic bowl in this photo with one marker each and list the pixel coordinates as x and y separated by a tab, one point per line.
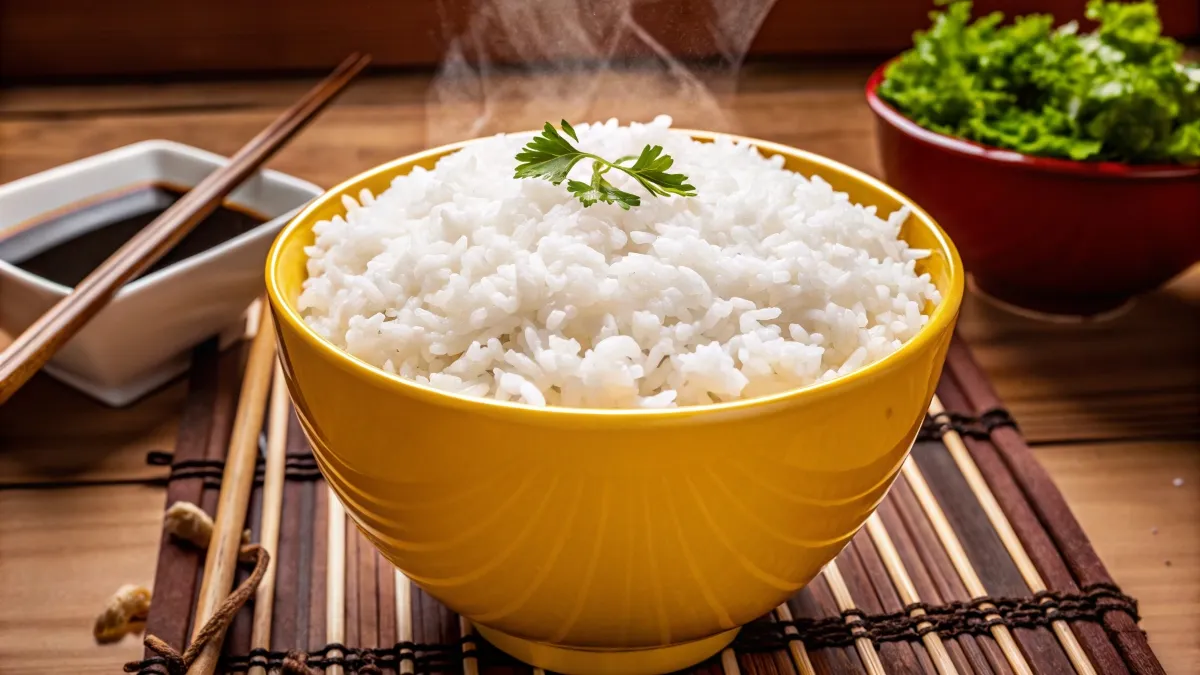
1049	235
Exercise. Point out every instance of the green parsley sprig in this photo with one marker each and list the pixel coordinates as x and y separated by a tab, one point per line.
551	157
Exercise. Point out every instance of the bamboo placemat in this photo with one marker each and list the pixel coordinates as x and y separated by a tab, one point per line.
973	564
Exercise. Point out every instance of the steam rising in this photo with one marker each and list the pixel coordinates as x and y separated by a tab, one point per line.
514	64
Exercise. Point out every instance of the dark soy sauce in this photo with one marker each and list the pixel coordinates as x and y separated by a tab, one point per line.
67	246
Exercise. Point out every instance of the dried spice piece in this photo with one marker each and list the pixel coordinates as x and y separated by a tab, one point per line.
125	613
186	521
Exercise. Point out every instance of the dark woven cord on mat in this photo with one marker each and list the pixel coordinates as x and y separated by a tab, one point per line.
426	658
175	663
973	426
295	662
948	621
298	466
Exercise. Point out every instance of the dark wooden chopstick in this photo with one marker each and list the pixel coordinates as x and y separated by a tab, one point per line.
33	348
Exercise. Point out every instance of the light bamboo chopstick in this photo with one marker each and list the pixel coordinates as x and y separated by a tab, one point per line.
236	483
1029	572
845	602
962	564
796	648
729	662
465	630
907	592
404	622
34	347
335	581
272	496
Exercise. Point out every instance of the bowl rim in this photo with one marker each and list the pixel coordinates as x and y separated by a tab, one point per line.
940	323
979	151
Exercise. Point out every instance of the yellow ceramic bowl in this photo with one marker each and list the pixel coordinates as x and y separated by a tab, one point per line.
601	541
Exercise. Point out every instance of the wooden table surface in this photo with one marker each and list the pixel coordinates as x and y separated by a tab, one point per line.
1113	409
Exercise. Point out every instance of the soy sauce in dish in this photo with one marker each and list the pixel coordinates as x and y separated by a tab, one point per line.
68	245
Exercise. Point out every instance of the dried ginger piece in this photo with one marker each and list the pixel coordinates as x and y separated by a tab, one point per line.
125	613
190	523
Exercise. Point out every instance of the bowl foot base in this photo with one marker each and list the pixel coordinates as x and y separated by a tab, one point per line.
576	661
1071	311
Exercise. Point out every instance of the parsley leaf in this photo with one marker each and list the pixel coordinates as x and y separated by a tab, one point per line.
650	170
600	190
1119	93
567	128
551	157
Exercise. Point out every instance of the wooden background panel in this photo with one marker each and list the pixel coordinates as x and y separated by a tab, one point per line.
73	38
355	135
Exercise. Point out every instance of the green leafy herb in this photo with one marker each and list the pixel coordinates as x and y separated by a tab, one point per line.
551	157
1119	93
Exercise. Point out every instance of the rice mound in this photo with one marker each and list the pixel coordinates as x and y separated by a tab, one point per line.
471	281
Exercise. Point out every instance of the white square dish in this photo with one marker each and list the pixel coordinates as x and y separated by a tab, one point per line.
144	337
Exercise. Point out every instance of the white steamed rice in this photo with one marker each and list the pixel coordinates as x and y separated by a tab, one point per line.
471	281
